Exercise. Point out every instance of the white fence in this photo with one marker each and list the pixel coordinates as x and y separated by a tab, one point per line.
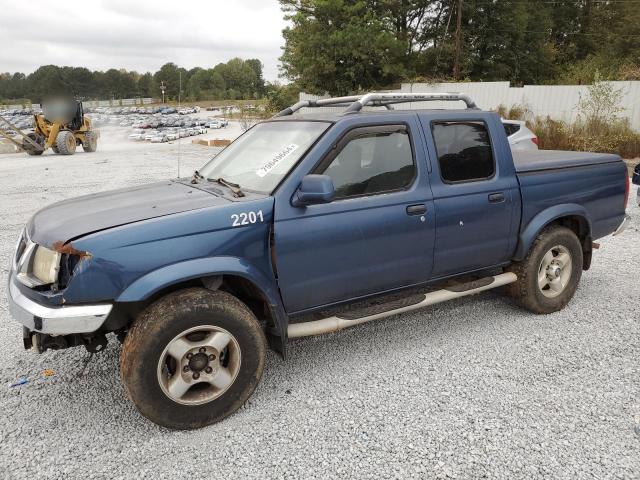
557	101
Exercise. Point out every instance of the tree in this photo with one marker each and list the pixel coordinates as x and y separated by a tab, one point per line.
169	74
280	96
340	46
508	43
118	84
146	86
602	103
258	86
240	77
80	81
46	81
218	85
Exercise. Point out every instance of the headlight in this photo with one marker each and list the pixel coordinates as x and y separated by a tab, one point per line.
35	265
45	265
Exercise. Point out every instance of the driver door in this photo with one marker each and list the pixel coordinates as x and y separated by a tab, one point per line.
376	235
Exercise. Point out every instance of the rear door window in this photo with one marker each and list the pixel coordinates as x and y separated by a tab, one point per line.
464	151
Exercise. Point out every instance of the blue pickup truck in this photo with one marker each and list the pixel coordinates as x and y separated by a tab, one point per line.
307	224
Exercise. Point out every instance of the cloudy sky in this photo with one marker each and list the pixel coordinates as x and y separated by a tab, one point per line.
139	34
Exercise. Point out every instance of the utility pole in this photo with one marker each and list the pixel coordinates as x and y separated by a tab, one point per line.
162	88
458	45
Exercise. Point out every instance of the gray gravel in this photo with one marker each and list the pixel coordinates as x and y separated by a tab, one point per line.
473	388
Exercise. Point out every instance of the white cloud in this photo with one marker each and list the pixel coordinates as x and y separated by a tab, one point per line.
139	34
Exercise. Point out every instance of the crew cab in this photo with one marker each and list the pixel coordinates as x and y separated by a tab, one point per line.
306	224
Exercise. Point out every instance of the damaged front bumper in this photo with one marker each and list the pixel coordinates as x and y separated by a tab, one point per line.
65	320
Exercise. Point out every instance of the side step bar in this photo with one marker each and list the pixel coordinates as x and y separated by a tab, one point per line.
335	323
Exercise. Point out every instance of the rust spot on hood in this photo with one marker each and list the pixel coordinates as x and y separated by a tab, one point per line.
69	249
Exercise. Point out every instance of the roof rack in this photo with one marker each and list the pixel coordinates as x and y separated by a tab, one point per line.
355	103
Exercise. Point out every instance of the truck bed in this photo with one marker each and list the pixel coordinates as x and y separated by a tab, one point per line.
535	160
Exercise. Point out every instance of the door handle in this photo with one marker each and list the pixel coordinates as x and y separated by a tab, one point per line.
496	197
418	209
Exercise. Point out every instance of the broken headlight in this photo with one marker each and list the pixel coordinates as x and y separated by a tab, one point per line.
45	265
35	265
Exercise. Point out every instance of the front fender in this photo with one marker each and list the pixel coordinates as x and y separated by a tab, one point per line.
157	280
544	218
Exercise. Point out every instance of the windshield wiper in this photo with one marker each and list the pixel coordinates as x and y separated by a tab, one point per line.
234	187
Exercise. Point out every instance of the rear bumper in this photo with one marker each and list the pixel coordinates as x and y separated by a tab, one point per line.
621	228
55	321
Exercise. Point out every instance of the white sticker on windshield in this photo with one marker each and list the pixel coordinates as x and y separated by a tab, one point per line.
277	158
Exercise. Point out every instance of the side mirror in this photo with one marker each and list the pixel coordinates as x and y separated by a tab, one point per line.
636	175
314	189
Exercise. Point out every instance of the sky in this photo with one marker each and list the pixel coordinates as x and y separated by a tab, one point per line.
139	35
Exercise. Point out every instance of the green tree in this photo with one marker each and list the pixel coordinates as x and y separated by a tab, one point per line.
258	84
46	81
280	96
340	46
170	73
80	81
146	86
510	43
239	77
218	85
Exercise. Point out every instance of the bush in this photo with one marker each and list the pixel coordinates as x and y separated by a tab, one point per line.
515	112
588	136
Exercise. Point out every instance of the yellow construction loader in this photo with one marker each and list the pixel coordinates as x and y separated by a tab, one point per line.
61	126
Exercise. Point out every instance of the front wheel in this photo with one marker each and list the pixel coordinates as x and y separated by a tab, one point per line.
66	142
549	275
192	358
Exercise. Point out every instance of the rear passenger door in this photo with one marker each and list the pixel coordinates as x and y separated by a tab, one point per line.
474	194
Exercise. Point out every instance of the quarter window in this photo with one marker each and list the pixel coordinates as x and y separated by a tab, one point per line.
464	151
373	163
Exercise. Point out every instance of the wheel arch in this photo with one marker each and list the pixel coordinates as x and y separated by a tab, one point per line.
237	276
573	216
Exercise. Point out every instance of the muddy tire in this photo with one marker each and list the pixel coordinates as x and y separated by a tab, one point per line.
66	142
549	275
192	358
90	143
54	147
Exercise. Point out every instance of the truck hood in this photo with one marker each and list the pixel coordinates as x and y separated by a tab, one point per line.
76	217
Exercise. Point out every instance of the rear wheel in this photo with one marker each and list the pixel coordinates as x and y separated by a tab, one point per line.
90	143
549	275
192	358
66	142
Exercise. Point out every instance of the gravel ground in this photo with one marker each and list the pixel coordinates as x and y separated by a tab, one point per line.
473	388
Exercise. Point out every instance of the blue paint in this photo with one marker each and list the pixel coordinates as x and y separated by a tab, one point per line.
326	251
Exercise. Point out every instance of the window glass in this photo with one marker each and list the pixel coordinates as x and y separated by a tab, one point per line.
373	163
464	151
262	157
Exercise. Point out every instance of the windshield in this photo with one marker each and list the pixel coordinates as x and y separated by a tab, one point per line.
259	159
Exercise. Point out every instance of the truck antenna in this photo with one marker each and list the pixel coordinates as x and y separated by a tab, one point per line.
179	136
